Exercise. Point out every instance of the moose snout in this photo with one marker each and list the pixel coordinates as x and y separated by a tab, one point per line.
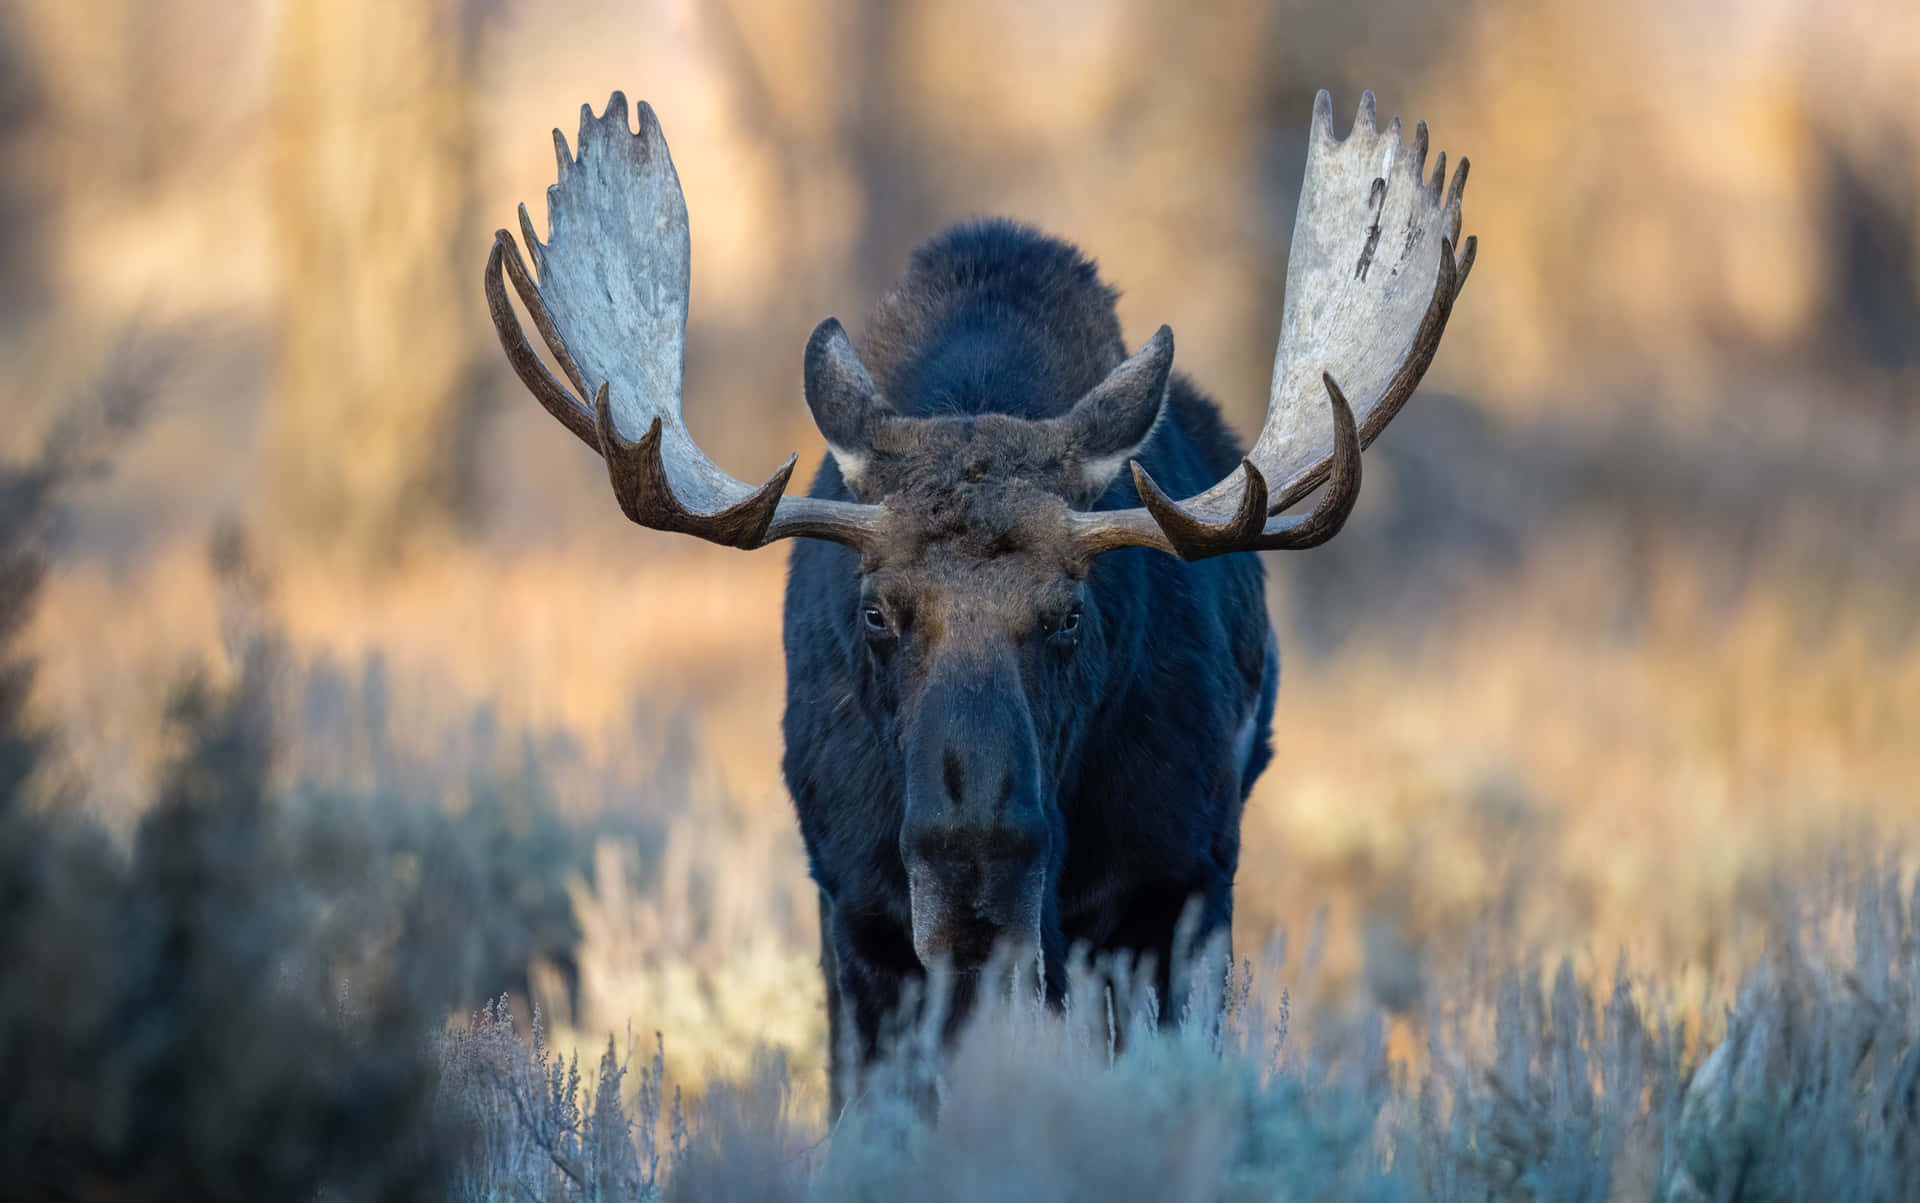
965	907
975	839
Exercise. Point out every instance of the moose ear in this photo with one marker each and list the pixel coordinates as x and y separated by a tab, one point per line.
1109	425
847	406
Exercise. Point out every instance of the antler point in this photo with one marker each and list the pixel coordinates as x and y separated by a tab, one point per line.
1464	265
784	472
1323	114
1458	189
646	122
1255	477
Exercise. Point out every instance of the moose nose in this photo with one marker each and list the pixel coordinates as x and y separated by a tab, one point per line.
955	780
975	836
971	892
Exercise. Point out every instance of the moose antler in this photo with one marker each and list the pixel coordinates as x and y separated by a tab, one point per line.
611	305
1371	231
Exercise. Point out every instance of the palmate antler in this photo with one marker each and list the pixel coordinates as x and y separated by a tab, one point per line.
1370	283
1371	280
611	304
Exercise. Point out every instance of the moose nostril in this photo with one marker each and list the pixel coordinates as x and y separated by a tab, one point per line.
950	770
1006	787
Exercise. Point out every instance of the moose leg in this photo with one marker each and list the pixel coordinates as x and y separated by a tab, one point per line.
1150	928
839	1057
869	964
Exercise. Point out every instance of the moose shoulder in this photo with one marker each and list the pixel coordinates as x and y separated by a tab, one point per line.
998	734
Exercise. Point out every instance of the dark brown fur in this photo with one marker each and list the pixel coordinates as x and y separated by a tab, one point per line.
987	734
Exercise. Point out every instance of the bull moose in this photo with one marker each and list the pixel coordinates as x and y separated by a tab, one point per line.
1030	673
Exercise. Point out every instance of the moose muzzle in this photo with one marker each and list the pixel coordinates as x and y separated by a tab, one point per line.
975	839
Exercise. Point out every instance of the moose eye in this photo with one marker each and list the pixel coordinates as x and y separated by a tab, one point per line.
1065	629
875	620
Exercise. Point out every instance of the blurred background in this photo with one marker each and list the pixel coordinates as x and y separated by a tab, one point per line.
1622	632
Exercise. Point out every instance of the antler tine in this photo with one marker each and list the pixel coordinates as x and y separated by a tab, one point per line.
535	247
552	395
1194	538
1368	117
1464	264
611	305
1343	484
645	491
1370	228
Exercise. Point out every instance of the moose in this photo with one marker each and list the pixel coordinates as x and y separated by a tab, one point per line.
1030	672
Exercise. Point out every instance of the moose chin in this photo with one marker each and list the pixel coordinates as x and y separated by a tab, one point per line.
1030	673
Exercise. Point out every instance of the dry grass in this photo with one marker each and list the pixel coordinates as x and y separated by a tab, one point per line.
1540	1086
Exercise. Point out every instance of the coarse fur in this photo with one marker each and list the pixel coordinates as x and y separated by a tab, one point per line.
1117	710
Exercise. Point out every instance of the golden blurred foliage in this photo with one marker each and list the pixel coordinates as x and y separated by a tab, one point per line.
370	188
1677	195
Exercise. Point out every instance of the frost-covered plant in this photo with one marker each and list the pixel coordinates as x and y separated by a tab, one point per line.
1815	1092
